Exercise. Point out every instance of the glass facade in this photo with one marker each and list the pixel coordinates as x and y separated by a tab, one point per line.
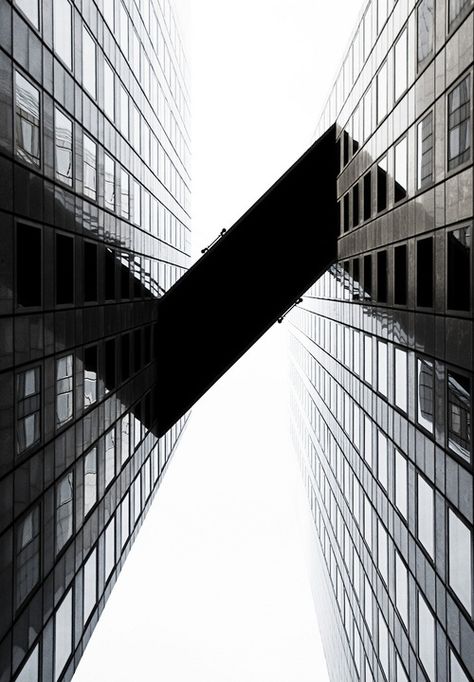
381	355
94	208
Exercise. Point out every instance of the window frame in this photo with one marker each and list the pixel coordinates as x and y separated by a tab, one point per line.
17	156
468	73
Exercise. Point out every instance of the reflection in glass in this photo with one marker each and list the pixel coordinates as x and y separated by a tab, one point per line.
27	551
109	90
63	634
136	204
124	112
401	588
425	152
90	480
29	672
459	124
401	379
382	378
460	560
425	29
368	114
125	514
425	502
368	359
109	548
368	440
63	147
459	414
89	167
425	394
109	182
90	585
64	390
88	62
109	456
459	269
401	170
90	376
382	93
27	120
456	7
401	674
382	169
30	10
401	64
124	193
382	465
401	483
62	19
28	397
64	510
426	637
383	643
457	674
382	551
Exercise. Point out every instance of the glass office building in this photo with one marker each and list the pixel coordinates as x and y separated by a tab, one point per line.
382	353
94	214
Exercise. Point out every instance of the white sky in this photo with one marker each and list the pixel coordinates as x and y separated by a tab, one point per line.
215	588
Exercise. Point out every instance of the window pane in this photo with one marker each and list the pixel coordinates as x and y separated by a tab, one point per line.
90	376
382	552
88	62
426	515
425	152
63	31
63	634
382	93
457	673
401	379
426	637
383	643
63	147
29	672
425	29
90	584
27	120
64	510
29	9
401	674
124	112
125	525
460	560
459	414
109	548
125	429
27	550
89	167
28	396
382	273
425	393
455	8
109	456
109	91
382	460
459	124
109	182
401	170
401	588
401	65
382	378
424	272
382	185
459	269
401	483
368	440
124	194
90	480
64	389
401	275
368	358
28	262
64	269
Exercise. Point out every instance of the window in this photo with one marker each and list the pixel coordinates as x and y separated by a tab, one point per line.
382	93
368	359
124	124
89	167
368	522
64	390
368	114
383	643
63	147
28	265
424	272
135	128
109	548
125	523
401	170
63	634
368	604
27	553
460	560
64	269
136	204
88	62
401	378
62	19
425	394
459	414
382	14
382	185
27	121
124	193
346	212
110	374
90	584
382	549
109	182
459	269
459	123
90	376
367	277
29	672
455	9
30	10
109	269
426	637
457	674
64	510
109	90
90	480
425	502
123	30
90	272
401	64
382	277
425	34
401	479
382	460
368	440
367	196
109	456
401	588
400	275
382	378
28	397
425	151
401	674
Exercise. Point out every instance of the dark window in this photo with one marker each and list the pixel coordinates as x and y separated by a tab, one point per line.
147	345
137	282
459	414
347	279
346	147
64	269
425	151
401	275
346	212
401	170
382	276
355	205
367	277
28	399
110	365
425	394
367	196
456	7
356	279
90	376
27	555
124	276
90	271
125	356
109	274
28	265
137	350
424	272
459	269
459	122
382	185
425	29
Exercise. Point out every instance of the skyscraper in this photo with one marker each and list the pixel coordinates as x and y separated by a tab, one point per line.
94	204
382	354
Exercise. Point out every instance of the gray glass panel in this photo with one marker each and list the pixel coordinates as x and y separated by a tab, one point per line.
460	560
62	20
401	64
109	91
459	124
29	672
28	395
401	588
27	120
109	548
425	152
64	389
426	638
425	393
27	566
109	456
90	480
29	9
457	673
64	510
88	62
63	147
459	414
425	29
401	379
90	584
401	170
90	167
63	634
426	515
109	182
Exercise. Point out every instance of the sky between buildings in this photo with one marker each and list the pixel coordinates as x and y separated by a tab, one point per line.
215	588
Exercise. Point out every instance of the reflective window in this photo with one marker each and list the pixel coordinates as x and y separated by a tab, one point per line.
425	154
124	194
136	203
124	123
368	603
368	33
109	548
382	548
62	20
401	379
125	431
401	64
425	29
90	167
90	376
135	128
401	674
64	389
125	515
460	560
368	440
29	672
456	7
30	10
88	62
62	634
90	480
425	393
109	90
459	124
123	30
425	502
90	584
382	367
28	399
368	358
63	147
383	644
382	460
426	638
457	674
401	483
109	182
27	121
382	185
368	114
401	588
382	13
64	510
401	170
27	555
109	456
367	521
459	414
382	92
459	269
109	14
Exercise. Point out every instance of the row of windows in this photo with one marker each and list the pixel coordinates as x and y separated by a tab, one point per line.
134	201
